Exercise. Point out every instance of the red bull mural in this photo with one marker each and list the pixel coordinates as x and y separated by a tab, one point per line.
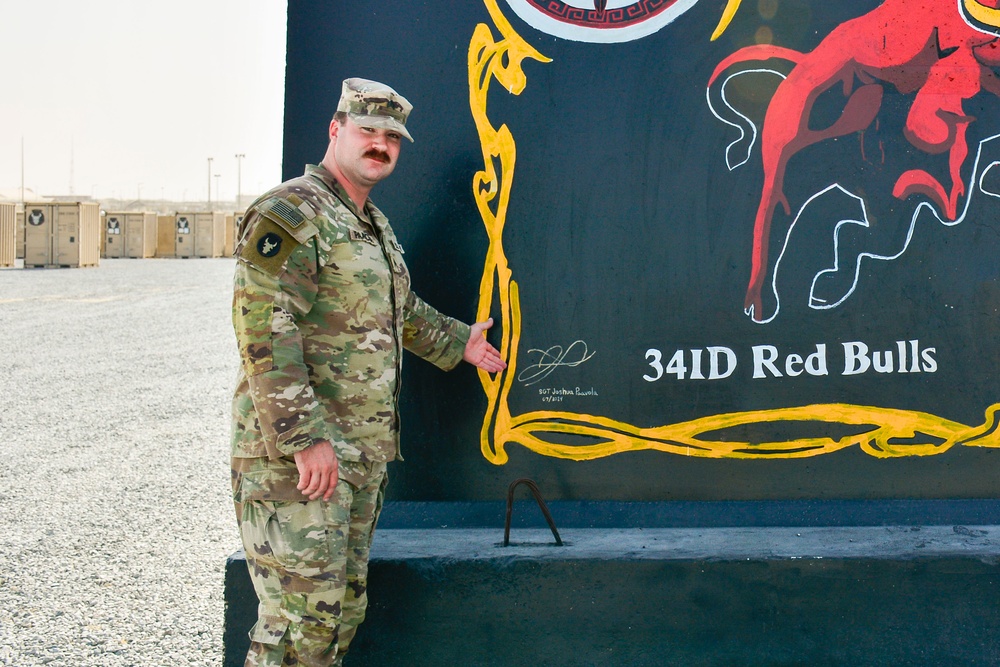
936	50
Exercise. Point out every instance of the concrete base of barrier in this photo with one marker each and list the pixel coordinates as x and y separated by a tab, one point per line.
822	595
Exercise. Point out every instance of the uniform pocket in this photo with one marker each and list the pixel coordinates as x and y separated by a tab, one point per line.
275	483
269	630
254	529
289	536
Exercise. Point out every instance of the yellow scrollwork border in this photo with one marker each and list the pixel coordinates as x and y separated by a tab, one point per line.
880	432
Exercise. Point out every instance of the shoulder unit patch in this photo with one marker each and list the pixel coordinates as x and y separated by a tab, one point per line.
268	247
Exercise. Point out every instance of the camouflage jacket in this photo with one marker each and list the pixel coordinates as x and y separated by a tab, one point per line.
322	310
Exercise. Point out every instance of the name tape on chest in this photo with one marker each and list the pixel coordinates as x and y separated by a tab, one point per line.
364	237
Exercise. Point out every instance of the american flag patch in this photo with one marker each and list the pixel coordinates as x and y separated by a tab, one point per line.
281	209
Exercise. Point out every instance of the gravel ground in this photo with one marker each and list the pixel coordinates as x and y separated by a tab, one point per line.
115	514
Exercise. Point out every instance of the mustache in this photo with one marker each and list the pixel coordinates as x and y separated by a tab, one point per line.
381	156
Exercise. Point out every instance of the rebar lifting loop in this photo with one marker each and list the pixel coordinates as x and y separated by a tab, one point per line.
541	505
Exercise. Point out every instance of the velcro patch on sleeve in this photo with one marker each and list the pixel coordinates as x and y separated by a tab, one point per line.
268	247
283	210
290	216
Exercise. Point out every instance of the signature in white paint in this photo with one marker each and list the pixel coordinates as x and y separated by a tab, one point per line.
553	358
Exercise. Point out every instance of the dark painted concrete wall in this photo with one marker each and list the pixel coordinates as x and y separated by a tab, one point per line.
630	228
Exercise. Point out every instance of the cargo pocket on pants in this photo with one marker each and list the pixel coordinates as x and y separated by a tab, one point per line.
269	630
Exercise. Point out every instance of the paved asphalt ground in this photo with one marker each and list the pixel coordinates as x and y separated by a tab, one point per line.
115	517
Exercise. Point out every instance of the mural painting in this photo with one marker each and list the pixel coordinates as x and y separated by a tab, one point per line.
930	49
935	51
735	249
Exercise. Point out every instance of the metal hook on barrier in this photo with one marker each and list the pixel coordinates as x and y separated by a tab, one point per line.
541	505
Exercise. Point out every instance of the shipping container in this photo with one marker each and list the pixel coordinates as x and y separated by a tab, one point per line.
130	234
199	234
8	234
104	236
62	235
233	221
229	245
165	242
19	223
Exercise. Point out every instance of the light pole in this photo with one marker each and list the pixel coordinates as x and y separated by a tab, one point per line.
239	174
210	184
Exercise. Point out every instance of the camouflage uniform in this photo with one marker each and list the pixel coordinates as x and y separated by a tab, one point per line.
322	310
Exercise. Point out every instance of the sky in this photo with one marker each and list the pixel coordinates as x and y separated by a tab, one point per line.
130	98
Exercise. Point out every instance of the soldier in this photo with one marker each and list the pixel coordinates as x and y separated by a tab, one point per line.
322	310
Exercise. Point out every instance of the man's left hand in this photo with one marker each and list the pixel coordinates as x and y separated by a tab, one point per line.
479	352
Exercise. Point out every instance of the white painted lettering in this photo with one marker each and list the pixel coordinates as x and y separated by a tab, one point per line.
901	346
930	363
696	365
793	365
914	356
816	362
882	361
764	357
713	360
855	358
654	357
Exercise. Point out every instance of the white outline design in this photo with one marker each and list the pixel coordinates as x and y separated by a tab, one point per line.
750	123
975	182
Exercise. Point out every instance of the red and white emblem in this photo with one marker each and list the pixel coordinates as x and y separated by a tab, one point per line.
603	21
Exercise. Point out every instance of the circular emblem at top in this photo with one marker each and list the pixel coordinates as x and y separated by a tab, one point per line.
601	21
269	245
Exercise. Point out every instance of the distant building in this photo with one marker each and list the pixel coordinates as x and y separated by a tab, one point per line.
14	194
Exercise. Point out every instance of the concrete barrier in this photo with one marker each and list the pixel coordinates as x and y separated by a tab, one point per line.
889	593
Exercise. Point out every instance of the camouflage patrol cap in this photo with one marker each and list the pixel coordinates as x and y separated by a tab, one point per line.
375	104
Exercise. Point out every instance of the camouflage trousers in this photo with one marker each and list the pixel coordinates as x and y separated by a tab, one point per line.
309	565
